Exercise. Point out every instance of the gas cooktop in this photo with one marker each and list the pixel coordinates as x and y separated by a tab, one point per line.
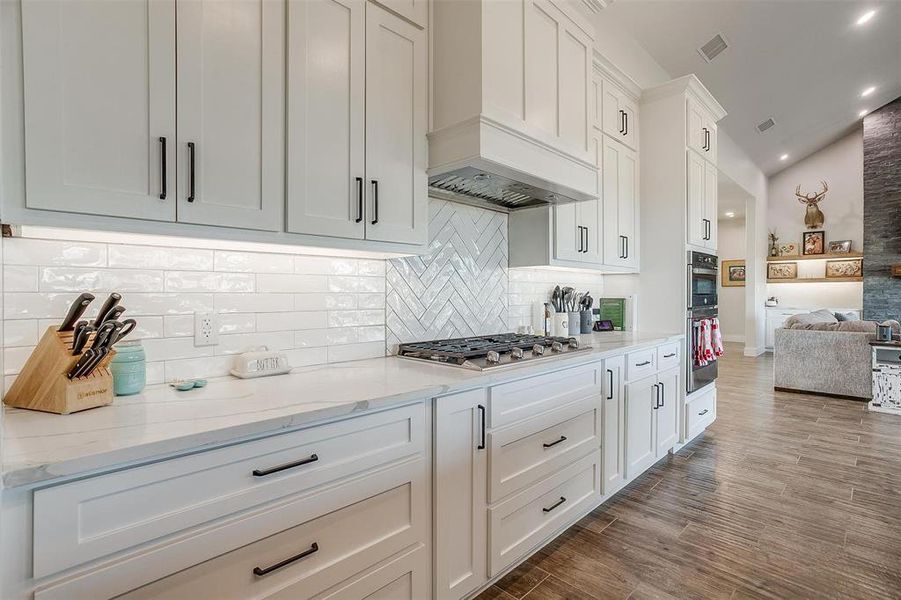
490	351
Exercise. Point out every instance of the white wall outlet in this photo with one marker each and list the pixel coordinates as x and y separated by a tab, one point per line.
206	329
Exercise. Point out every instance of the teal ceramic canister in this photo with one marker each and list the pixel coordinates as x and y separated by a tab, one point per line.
129	368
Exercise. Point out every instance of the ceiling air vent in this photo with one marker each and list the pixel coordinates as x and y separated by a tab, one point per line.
762	127
712	49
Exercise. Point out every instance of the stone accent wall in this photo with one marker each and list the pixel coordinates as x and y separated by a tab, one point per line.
882	212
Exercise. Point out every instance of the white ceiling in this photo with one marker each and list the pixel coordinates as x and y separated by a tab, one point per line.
802	62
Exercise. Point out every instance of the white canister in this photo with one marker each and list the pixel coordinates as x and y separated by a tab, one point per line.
560	324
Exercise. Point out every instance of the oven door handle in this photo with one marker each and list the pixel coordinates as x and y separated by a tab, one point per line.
690	291
703	271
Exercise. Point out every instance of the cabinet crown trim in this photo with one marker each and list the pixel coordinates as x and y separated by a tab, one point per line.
687	84
607	69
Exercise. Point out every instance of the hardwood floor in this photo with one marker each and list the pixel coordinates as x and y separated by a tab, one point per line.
785	496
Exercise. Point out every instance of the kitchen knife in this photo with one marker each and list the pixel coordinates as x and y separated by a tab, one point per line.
104	348
82	333
75	311
82	363
102	335
113	314
98	358
112	301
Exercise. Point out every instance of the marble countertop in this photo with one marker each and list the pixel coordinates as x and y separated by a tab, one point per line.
38	447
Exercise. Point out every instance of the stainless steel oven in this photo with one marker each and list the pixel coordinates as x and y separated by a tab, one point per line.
698	376
703	270
702	279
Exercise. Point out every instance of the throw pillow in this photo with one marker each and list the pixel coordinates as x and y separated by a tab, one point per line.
818	316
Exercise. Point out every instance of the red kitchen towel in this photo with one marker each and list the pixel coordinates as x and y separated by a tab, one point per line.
717	337
704	352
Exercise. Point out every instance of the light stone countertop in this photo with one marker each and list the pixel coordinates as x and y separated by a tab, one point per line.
161	422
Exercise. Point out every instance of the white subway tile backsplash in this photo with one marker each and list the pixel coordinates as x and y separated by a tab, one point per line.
237	323
356	351
36	305
165	303
178	325
306	357
370	301
195	281
174	348
291	321
311	338
153	257
296	284
253	262
209	366
19	251
21	333
20	278
247	342
253	303
70	279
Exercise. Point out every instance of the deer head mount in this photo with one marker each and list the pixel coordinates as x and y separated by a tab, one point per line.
814	218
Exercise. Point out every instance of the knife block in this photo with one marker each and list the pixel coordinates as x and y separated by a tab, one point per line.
43	385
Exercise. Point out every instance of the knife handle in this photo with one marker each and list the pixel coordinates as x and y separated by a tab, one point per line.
76	310
82	362
82	333
108	305
113	314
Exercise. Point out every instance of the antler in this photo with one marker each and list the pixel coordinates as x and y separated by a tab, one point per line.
802	198
811	198
820	196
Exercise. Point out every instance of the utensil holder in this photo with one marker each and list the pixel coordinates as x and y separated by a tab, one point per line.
43	385
585	321
560	324
573	319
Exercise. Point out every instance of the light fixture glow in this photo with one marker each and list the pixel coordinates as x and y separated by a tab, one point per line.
865	17
783	157
868	91
730	214
863	113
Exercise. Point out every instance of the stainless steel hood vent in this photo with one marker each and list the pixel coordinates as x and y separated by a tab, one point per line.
469	184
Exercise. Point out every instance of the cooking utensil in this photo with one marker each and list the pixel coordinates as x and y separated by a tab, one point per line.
76	310
556	298
82	363
105	345
82	333
128	325
108	304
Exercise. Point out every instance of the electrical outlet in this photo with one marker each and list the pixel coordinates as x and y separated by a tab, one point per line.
206	329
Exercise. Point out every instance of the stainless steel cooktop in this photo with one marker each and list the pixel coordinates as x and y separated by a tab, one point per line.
490	351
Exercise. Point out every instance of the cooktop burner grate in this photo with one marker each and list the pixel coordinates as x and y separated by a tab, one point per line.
471	347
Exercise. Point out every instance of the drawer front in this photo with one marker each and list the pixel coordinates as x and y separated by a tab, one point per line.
668	356
302	561
641	363
91	518
510	402
523	522
533	449
699	414
404	577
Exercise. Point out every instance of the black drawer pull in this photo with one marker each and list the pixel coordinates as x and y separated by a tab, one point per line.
260	571
703	412
163	178
191	171
669	355
483	423
554	505
359	218
610	389
643	364
291	465
562	439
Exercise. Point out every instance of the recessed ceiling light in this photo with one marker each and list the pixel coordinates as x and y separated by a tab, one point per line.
783	157
866	17
863	113
868	91
730	214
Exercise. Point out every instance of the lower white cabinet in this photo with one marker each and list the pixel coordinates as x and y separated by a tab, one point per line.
652	412
614	470
667	415
700	412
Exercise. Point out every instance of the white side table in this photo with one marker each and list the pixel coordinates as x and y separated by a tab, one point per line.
886	377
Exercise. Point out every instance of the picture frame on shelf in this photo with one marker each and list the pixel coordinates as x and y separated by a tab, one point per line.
733	273
788	249
813	242
840	247
844	268
785	270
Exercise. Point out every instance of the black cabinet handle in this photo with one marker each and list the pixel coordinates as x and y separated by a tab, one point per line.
610	394
482	420
627	246
622	246
656	396
703	412
642	364
162	168
261	571
626	132
581	239
554	443
669	355
191	171
359	218
662	394
299	463
554	505
375	201
622	121
586	240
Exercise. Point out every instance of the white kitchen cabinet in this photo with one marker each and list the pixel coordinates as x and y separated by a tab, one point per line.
461	497
578	226
99	86
620	199
701	129
640	444
667	412
711	185
702	202
620	115
613	465
415	11
231	113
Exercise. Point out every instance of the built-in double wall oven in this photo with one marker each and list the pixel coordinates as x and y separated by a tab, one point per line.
702	304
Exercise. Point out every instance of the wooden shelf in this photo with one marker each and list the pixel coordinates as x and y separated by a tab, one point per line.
827	256
816	280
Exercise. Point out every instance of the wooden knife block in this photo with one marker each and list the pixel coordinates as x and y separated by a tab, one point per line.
43	385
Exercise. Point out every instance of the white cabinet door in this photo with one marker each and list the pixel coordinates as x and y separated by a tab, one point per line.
697	219
396	124
627	201
614	425
461	494
620	184
640	419
695	118
591	213
710	126
620	115
710	203
416	11
99	82
667	413
568	236
326	117
231	113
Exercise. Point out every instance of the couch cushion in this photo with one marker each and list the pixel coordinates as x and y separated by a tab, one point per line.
817	316
854	326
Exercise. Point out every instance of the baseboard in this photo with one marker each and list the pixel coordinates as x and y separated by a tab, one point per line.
753	352
740	339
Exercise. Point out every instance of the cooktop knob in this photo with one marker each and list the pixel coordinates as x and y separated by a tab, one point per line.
516	353
557	347
537	349
493	357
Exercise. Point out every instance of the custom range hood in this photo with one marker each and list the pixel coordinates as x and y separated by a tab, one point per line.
513	103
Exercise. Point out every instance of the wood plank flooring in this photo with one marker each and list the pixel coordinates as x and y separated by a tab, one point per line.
785	496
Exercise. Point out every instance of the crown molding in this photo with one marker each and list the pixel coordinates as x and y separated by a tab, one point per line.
687	84
610	71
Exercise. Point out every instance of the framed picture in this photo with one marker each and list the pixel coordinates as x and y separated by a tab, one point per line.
840	247
788	249
814	242
788	270
852	267
733	273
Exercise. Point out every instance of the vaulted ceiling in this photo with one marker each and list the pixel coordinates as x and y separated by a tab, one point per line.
803	63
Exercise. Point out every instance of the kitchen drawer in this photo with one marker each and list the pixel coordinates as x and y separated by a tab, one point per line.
302	561
700	413
525	521
510	402
404	577
87	519
668	356
641	363
530	450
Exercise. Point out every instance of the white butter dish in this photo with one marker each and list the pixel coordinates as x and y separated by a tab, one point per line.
260	362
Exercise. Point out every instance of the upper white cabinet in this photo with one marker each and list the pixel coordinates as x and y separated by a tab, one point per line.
99	86
702	202
579	226
700	131
620	115
416	11
620	178
231	113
